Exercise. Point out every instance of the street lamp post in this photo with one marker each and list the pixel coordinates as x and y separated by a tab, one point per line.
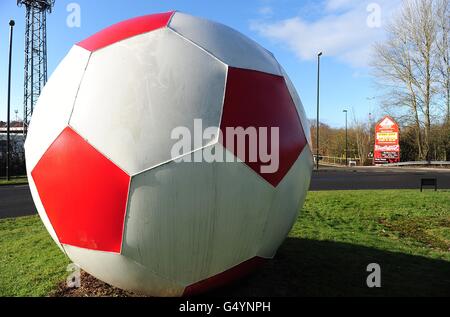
346	139
8	112
318	102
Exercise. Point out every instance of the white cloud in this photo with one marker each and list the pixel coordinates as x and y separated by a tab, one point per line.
341	31
333	5
265	11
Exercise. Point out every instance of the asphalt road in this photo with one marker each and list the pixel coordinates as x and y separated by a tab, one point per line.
16	201
376	178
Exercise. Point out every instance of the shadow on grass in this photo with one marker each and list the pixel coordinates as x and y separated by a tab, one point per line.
321	268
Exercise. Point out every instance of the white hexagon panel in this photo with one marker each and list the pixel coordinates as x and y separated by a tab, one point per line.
105	180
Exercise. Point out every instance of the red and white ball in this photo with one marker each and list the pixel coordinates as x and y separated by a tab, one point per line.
99	158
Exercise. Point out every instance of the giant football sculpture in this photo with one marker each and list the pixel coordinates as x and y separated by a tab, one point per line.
101	164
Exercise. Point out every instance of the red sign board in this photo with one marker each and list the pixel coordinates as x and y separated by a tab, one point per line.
387	142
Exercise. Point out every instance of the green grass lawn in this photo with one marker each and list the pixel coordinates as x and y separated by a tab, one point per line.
409	222
14	180
30	262
336	236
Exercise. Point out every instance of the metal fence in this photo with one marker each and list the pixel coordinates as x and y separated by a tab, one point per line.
338	161
421	163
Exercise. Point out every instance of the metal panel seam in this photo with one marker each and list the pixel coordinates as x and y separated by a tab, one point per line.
267	218
136	35
176	158
125	214
295	105
79	85
95	148
196	45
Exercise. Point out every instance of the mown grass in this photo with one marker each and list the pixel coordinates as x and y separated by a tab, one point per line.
336	236
30	262
338	233
14	181
404	221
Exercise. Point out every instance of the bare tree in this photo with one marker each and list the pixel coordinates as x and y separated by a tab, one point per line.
407	66
394	70
443	26
362	132
443	29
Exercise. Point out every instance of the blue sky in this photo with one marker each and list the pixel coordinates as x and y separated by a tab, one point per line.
294	30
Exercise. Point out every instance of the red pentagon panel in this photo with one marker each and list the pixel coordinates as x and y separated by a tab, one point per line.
224	278
261	100
84	194
126	29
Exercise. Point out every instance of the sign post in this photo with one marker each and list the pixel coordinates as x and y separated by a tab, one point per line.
387	142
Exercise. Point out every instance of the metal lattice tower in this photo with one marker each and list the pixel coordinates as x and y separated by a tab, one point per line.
35	53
